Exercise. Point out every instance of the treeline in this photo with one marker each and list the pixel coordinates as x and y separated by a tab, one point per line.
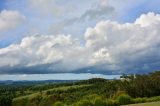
141	85
93	92
10	90
129	89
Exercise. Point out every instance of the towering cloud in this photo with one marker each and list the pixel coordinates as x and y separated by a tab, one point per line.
110	47
131	46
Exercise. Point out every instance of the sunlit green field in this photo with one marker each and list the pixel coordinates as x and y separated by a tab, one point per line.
44	92
146	104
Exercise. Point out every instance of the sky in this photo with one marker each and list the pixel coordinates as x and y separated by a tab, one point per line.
76	38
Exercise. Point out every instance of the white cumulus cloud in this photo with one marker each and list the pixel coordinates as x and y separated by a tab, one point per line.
110	47
10	19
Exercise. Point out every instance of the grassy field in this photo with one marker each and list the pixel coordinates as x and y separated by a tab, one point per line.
42	97
44	92
146	104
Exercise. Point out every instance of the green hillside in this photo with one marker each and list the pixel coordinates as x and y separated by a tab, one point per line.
130	89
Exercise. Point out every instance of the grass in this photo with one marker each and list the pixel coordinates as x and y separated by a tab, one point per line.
44	92
146	104
35	98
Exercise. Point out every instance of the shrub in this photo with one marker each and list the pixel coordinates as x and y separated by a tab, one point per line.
84	103
124	99
48	92
118	94
138	100
144	99
92	97
110	102
58	104
153	99
99	102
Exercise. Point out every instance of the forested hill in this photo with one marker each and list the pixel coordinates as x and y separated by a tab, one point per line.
34	82
93	92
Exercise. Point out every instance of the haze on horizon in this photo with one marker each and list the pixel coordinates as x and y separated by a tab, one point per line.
70	36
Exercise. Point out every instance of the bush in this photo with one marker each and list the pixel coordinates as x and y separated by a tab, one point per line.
145	99
48	92
99	102
84	103
118	94
138	100
92	97
124	99
110	102
58	104
153	99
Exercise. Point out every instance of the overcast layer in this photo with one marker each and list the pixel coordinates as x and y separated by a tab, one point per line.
92	38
